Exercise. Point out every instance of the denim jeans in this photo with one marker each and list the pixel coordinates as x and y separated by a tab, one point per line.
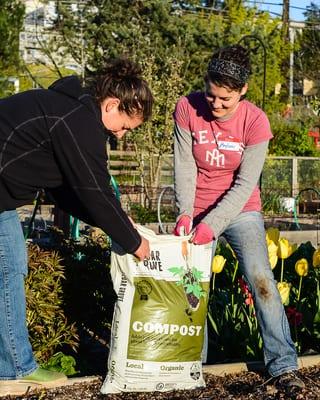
246	236
16	357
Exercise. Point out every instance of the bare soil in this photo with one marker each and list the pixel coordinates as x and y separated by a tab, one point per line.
244	386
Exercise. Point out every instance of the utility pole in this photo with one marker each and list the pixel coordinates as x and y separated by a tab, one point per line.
285	19
287	64
291	62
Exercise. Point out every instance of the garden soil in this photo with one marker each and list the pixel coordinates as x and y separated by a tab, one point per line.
244	386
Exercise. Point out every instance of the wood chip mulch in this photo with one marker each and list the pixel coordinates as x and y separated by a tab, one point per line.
244	386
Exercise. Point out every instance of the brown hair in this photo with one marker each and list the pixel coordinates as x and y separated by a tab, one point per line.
121	78
229	67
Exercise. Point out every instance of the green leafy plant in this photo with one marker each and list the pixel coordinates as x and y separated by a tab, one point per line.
233	328
271	202
61	363
291	136
303	305
88	295
144	215
48	326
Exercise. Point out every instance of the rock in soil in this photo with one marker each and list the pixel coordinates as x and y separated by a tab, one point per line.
244	386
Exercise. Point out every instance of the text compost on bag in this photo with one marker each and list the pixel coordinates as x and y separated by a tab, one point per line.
159	317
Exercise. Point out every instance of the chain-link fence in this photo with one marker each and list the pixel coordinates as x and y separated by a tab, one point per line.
285	182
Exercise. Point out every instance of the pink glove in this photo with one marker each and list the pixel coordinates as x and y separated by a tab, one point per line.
203	234
183	226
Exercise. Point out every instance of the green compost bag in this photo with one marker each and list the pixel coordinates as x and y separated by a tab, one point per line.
159	316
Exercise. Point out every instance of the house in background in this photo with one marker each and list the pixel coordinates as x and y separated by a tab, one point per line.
39	30
38	24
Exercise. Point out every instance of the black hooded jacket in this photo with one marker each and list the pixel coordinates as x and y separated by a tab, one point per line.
54	139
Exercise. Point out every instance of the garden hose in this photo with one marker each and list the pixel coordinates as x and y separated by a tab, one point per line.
74	227
75	233
159	206
296	202
115	187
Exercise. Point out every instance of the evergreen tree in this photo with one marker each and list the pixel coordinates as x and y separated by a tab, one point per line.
11	21
174	41
308	56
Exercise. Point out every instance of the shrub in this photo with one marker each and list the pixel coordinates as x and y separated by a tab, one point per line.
144	215
88	291
291	136
48	327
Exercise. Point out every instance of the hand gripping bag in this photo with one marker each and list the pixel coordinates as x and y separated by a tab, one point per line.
159	316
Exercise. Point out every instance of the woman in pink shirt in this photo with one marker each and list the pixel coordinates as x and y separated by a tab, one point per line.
221	141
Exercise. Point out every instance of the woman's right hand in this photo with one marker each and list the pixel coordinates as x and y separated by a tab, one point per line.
143	250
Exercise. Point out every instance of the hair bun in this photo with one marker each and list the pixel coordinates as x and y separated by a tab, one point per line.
122	68
122	79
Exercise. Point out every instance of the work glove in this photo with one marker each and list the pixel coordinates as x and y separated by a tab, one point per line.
183	226
203	234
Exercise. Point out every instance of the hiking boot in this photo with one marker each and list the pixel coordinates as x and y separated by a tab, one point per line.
40	378
289	380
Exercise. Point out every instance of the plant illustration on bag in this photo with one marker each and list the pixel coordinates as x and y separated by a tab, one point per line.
190	279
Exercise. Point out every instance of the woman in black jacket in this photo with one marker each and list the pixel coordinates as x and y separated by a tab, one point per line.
55	139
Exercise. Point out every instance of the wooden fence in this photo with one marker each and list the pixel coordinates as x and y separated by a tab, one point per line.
128	170
123	163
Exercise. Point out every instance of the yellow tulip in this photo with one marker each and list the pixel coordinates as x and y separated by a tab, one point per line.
316	258
273	261
302	267
272	252
284	290
218	264
285	249
273	234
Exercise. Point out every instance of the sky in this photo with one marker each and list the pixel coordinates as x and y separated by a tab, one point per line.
295	13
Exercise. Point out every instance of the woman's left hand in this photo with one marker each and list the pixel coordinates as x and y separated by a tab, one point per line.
203	234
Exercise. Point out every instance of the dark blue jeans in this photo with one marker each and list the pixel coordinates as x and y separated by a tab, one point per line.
16	357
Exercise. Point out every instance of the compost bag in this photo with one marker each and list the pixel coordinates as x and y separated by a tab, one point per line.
159	316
